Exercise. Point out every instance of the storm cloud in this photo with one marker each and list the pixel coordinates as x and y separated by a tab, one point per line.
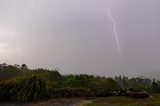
76	36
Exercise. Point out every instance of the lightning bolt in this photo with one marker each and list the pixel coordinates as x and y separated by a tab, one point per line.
116	39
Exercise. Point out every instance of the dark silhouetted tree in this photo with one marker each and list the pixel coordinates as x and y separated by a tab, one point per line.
24	66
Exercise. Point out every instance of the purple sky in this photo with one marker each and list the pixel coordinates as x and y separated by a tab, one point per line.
77	35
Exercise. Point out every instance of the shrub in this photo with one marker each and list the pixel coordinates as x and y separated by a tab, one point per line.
24	89
73	92
138	95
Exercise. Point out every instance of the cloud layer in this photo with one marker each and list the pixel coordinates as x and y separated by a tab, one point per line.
77	36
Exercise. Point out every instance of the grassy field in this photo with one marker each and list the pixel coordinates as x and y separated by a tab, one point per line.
124	101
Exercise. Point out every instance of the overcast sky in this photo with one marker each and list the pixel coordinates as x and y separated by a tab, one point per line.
76	36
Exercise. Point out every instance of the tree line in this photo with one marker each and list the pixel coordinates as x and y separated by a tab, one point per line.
19	83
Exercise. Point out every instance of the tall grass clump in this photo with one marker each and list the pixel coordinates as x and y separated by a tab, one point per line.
30	88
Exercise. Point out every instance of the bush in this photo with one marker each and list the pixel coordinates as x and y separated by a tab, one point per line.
138	95
73	92
103	93
24	89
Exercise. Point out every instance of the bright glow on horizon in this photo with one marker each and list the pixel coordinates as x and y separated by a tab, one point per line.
5	32
7	35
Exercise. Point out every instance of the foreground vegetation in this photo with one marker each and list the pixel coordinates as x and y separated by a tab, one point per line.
124	101
21	84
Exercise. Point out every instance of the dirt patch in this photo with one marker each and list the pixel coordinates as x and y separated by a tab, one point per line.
60	102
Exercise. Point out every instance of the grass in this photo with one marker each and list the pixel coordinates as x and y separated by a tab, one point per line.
124	101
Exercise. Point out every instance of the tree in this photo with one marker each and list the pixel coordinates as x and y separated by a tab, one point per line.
24	66
16	65
154	87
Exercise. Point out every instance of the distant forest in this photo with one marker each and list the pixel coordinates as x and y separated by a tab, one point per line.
19	83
